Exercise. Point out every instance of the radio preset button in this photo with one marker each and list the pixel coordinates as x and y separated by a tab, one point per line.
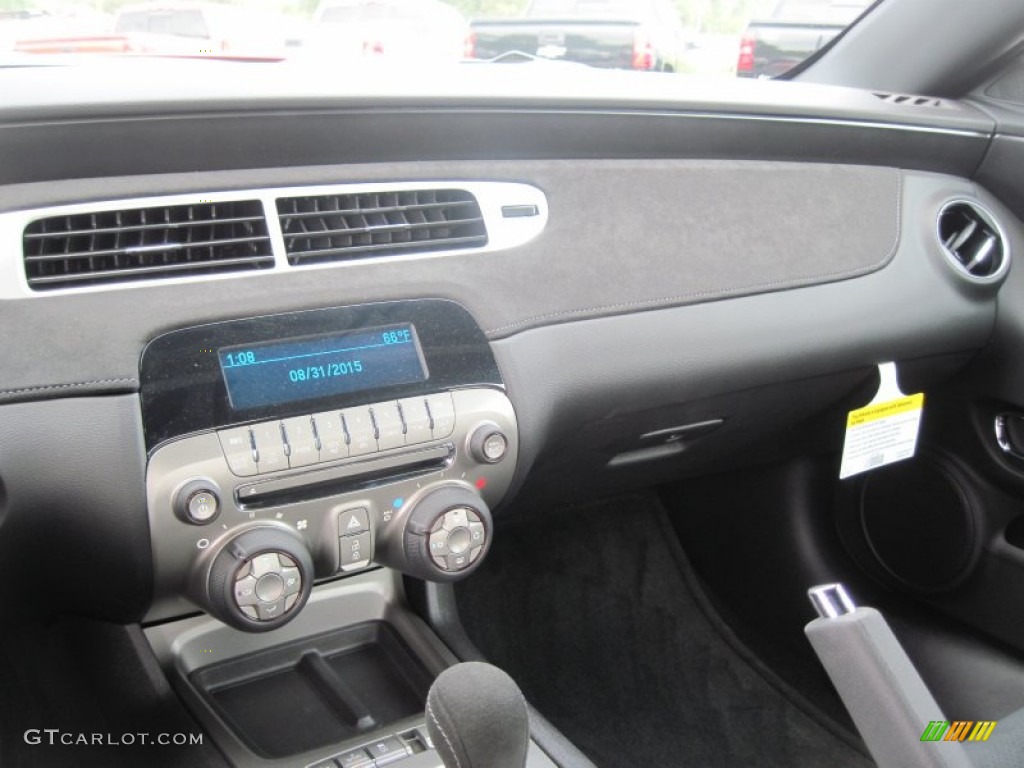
360	429
390	430
301	441
442	414
270	446
333	442
417	420
238	450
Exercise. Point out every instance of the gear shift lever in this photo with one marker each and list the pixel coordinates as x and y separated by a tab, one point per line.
477	718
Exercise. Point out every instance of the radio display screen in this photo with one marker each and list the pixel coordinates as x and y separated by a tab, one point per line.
311	367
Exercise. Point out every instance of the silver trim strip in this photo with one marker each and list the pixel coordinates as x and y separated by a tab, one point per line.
502	233
744	116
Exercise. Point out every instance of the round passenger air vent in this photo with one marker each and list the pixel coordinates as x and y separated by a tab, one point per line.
973	241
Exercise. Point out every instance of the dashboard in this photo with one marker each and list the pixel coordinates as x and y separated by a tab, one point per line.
270	343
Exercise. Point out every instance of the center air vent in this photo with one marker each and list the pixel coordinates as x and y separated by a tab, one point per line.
972	241
146	243
354	226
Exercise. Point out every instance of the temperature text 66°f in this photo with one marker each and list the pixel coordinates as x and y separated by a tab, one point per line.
326	371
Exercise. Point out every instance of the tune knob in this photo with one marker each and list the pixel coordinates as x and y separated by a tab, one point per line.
447	534
487	443
259	579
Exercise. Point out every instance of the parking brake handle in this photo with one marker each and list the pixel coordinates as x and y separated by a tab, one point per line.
879	685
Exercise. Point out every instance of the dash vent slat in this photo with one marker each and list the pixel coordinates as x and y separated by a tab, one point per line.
146	243
339	227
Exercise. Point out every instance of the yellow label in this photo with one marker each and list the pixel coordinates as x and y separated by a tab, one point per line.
885	410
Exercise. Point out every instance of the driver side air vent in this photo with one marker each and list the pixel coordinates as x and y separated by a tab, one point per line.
973	241
146	243
337	227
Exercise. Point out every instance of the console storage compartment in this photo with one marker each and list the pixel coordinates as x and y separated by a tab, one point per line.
316	692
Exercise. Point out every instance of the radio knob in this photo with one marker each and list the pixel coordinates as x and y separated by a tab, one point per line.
447	534
487	443
197	502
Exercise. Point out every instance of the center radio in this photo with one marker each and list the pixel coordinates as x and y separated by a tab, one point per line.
290	448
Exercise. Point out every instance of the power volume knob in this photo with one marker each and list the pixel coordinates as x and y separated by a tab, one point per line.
197	502
447	534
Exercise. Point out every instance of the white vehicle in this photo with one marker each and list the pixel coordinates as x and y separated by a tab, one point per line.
202	29
421	30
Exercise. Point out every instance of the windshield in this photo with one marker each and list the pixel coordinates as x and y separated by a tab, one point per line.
721	38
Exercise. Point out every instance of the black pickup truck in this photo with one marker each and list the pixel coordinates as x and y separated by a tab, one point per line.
614	34
795	30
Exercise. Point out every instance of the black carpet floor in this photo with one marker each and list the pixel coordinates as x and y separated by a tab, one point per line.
596	614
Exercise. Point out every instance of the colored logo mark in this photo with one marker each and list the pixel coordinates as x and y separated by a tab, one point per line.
958	730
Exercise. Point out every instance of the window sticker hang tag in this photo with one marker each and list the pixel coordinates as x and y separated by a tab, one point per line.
885	430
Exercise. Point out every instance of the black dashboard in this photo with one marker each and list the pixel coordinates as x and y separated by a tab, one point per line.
665	283
674	238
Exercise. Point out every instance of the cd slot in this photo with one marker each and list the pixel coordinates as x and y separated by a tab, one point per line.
342	479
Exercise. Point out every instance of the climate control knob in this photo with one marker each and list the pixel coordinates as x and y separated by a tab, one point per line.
258	579
447	533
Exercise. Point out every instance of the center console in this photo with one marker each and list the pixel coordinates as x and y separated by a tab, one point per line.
300	466
293	448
